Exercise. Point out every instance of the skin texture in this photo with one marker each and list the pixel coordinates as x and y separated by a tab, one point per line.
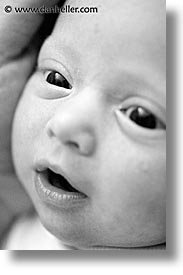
119	165
18	51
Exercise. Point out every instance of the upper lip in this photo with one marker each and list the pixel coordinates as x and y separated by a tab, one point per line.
44	164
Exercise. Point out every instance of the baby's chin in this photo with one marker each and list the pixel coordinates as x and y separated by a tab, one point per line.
81	240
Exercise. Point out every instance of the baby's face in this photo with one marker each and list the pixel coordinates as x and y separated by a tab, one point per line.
94	112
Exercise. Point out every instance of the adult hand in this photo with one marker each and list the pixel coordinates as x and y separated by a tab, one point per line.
18	51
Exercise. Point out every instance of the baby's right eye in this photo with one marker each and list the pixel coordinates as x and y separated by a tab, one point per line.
57	79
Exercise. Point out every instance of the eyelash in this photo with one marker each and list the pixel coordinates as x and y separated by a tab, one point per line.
147	120
59	80
143	118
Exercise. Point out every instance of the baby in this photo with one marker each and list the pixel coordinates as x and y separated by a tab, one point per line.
89	132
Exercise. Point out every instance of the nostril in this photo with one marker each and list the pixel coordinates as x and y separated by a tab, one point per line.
50	132
73	145
80	140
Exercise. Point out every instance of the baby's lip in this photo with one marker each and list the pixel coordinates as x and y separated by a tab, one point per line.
42	165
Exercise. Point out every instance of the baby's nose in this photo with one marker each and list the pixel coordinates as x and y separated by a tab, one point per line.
74	126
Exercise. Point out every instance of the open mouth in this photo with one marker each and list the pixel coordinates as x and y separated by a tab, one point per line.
54	188
59	181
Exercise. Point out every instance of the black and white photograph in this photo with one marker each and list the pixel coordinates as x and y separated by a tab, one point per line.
83	125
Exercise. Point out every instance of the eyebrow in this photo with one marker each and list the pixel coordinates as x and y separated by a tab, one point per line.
61	51
129	76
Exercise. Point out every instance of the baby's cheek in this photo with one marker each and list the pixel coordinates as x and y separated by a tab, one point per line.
152	169
32	112
30	118
148	176
135	188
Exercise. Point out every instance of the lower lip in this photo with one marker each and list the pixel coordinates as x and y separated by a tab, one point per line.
55	196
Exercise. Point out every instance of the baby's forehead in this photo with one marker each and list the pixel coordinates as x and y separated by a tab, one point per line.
123	35
119	27
117	23
131	16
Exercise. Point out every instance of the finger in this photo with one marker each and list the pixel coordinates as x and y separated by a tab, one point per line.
17	29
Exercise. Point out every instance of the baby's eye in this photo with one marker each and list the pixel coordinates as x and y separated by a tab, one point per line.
143	118
58	79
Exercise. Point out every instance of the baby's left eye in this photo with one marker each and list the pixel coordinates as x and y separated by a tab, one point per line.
57	79
143	118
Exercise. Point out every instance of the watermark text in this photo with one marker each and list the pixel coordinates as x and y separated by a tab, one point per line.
55	9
